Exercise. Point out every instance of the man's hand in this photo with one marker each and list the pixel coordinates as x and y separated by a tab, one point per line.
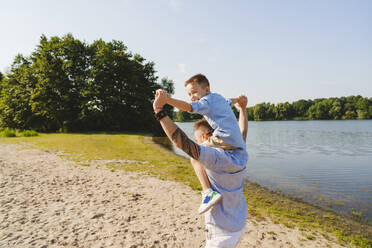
242	101
160	100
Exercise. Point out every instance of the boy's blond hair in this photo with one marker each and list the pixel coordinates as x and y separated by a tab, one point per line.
199	79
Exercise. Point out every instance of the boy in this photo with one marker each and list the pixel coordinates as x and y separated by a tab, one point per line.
217	111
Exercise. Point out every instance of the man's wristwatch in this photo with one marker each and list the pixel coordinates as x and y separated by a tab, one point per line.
160	115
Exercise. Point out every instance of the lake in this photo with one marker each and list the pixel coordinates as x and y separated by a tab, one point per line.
327	163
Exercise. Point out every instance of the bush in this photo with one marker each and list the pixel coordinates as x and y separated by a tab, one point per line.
29	133
8	133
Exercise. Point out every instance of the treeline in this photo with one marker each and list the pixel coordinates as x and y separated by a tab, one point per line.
340	108
69	85
335	108
184	116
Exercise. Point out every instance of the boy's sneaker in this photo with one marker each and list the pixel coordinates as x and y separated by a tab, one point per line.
209	198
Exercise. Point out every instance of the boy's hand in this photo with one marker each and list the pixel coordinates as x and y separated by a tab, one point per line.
160	100
163	94
242	101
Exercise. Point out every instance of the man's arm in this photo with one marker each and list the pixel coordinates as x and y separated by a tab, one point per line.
243	118
174	133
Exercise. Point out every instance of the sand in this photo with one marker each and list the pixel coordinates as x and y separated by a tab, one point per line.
46	201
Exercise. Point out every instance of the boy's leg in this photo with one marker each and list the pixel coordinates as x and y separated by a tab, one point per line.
201	175
209	196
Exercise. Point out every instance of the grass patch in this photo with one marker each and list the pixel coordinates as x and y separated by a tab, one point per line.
28	133
130	146
295	213
7	133
262	203
11	133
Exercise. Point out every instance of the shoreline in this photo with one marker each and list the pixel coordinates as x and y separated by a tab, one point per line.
298	220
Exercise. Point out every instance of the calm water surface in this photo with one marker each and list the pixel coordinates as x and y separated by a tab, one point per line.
328	163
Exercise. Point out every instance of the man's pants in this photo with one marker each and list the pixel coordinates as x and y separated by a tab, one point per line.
216	237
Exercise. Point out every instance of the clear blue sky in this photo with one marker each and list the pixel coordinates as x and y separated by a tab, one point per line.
273	51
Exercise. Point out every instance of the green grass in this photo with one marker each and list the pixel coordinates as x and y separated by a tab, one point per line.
7	133
262	203
11	133
83	147
29	133
290	212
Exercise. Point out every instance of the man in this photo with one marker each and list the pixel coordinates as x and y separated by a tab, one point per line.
225	222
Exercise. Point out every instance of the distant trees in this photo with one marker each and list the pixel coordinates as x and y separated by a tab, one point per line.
184	116
342	108
69	85
351	107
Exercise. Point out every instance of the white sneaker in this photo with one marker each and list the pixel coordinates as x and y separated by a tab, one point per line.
209	198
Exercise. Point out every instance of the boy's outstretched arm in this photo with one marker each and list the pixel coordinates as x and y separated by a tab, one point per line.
181	105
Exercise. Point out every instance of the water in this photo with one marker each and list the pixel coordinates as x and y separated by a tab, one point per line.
327	163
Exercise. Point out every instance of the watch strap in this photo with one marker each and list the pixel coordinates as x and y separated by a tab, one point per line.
160	115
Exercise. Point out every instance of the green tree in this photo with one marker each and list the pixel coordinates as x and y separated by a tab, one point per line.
250	113
300	107
259	112
350	110
362	108
283	111
16	90
320	110
120	89
183	116
69	85
60	67
335	111
168	85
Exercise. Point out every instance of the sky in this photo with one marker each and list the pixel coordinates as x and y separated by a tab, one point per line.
272	51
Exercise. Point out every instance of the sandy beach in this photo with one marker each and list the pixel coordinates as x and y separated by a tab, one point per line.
47	201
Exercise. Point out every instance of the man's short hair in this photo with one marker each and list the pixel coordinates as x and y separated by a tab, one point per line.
199	79
203	123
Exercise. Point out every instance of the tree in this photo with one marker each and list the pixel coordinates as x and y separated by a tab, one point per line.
300	107
259	111
16	90
335	112
119	90
362	108
350	110
69	85
168	85
250	113
60	67
283	111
